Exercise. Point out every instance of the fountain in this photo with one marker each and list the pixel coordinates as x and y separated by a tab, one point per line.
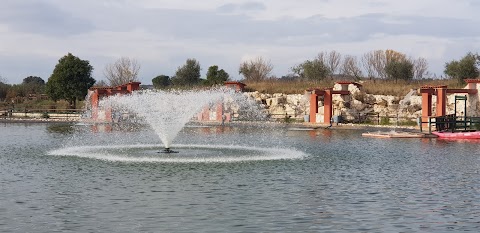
166	113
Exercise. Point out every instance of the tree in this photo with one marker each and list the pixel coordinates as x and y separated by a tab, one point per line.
315	70
368	66
4	88
393	56
420	67
215	76
188	74
333	61
123	71
33	80
400	69
161	81
379	63
256	70
350	67
101	83
70	79
467	67
33	85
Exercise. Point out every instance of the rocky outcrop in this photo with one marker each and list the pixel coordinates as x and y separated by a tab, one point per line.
281	105
358	103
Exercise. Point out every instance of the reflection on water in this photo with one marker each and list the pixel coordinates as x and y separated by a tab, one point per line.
60	128
345	183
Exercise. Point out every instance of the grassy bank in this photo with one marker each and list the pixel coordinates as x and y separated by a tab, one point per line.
376	87
40	106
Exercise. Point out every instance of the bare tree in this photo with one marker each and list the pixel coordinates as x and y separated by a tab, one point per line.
101	83
322	56
350	67
124	70
367	63
379	61
333	61
256	70
420	67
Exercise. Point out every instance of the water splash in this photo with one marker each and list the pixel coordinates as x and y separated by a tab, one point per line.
166	112
147	153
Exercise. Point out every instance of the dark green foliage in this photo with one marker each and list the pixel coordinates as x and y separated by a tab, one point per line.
3	90
33	85
466	68
188	74
401	69
407	123
215	76
161	81
70	79
385	120
315	70
33	80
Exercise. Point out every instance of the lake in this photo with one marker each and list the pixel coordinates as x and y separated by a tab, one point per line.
285	179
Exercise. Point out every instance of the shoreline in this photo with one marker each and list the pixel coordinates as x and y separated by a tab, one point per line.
36	120
236	123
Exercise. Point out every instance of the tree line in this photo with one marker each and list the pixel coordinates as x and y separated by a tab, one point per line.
72	76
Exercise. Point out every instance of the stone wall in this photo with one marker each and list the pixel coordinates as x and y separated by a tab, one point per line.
358	104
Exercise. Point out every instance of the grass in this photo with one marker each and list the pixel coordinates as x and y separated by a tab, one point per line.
40	105
401	88
376	87
286	87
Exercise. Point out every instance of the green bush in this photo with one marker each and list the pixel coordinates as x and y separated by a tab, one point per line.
288	119
407	123
475	126
384	120
45	115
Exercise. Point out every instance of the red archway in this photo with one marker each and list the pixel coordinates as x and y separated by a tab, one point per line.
441	93
327	94
96	93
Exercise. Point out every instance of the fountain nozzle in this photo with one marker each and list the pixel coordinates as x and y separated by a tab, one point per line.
167	151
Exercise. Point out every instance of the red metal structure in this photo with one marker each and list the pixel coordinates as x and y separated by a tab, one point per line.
97	93
237	86
327	94
218	113
441	93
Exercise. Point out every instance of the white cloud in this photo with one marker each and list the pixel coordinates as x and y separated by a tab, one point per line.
161	35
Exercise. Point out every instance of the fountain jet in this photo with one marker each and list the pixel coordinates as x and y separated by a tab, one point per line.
166	112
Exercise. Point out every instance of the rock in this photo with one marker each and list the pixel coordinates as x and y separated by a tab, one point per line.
278	100
290	110
277	111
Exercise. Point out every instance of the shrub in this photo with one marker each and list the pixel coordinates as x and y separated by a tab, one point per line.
384	120
407	123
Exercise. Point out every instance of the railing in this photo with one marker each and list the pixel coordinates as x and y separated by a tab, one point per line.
451	123
40	113
378	119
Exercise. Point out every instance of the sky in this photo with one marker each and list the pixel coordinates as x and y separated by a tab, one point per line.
162	34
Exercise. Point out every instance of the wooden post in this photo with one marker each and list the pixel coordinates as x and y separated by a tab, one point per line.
426	106
420	123
313	107
327	106
429	125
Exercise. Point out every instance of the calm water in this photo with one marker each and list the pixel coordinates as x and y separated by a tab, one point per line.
332	181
